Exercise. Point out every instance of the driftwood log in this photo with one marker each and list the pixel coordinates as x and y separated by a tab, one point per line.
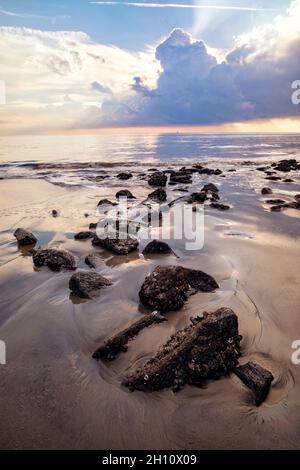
118	343
209	348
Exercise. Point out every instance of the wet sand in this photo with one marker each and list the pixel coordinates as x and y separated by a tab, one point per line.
54	395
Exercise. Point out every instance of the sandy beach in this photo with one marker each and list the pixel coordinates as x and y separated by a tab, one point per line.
54	395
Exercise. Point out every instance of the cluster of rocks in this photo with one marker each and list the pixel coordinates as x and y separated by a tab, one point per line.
283	166
207	349
210	193
280	205
286	165
182	176
277	205
84	284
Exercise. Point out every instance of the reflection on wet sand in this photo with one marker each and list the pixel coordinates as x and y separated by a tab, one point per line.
54	395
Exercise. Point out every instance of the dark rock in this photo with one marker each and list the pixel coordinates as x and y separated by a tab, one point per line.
106	202
288	180
292	205
286	205
167	288
54	213
275	201
286	165
159	195
24	237
93	226
187	171
214	197
118	343
157	179
124	176
218	172
212	188
118	246
200	198
220	207
86	284
84	235
152	169
297	197
157	247
273	178
125	193
266	191
206	171
232	170
54	259
256	378
198	167
93	260
276	208
205	350
200	281
180	177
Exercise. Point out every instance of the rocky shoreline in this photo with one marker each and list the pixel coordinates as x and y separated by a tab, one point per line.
212	351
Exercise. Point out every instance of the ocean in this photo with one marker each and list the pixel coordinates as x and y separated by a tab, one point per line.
72	159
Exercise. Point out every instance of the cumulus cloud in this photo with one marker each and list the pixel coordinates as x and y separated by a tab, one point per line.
180	82
253	82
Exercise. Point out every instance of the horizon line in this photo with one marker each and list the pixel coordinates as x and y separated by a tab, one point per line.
275	126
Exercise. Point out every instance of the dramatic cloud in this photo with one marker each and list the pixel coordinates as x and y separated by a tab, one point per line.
253	82
63	79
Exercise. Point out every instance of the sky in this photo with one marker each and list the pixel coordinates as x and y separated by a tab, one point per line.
211	64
